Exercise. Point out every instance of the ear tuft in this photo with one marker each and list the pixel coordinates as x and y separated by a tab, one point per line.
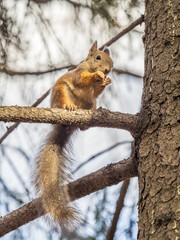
106	50
92	50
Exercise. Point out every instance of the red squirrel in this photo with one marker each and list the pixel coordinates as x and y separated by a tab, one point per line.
77	89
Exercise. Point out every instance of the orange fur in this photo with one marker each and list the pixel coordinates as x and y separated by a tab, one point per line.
76	89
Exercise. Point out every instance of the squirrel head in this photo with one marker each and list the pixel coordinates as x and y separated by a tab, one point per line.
99	60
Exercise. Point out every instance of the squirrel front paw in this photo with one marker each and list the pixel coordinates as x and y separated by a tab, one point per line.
106	82
69	106
99	76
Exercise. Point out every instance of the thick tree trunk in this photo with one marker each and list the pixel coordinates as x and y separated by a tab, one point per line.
159	144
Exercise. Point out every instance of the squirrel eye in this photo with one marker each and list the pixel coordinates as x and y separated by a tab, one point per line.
98	57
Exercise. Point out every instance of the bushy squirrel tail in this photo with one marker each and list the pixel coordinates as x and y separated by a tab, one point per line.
51	176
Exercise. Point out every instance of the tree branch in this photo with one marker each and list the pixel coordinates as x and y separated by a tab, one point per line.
119	207
123	32
107	176
35	104
10	193
89	118
13	73
99	154
120	71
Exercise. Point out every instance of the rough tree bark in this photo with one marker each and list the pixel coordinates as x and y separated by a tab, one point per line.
90	118
158	146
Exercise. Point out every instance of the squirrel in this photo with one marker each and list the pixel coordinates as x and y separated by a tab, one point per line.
77	89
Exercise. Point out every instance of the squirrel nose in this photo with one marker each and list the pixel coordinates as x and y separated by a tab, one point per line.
106	70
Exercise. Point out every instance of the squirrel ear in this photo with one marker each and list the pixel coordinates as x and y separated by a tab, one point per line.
106	50
92	50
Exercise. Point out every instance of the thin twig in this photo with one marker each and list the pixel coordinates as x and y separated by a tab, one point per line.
120	71
11	193
18	175
98	154
119	207
123	32
39	100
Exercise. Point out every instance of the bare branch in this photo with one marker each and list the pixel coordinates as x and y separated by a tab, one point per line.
119	207
11	193
107	176
17	174
120	71
39	100
88	118
123	32
11	128
100	153
13	73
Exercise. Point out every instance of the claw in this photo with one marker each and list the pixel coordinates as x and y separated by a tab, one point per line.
70	107
106	81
